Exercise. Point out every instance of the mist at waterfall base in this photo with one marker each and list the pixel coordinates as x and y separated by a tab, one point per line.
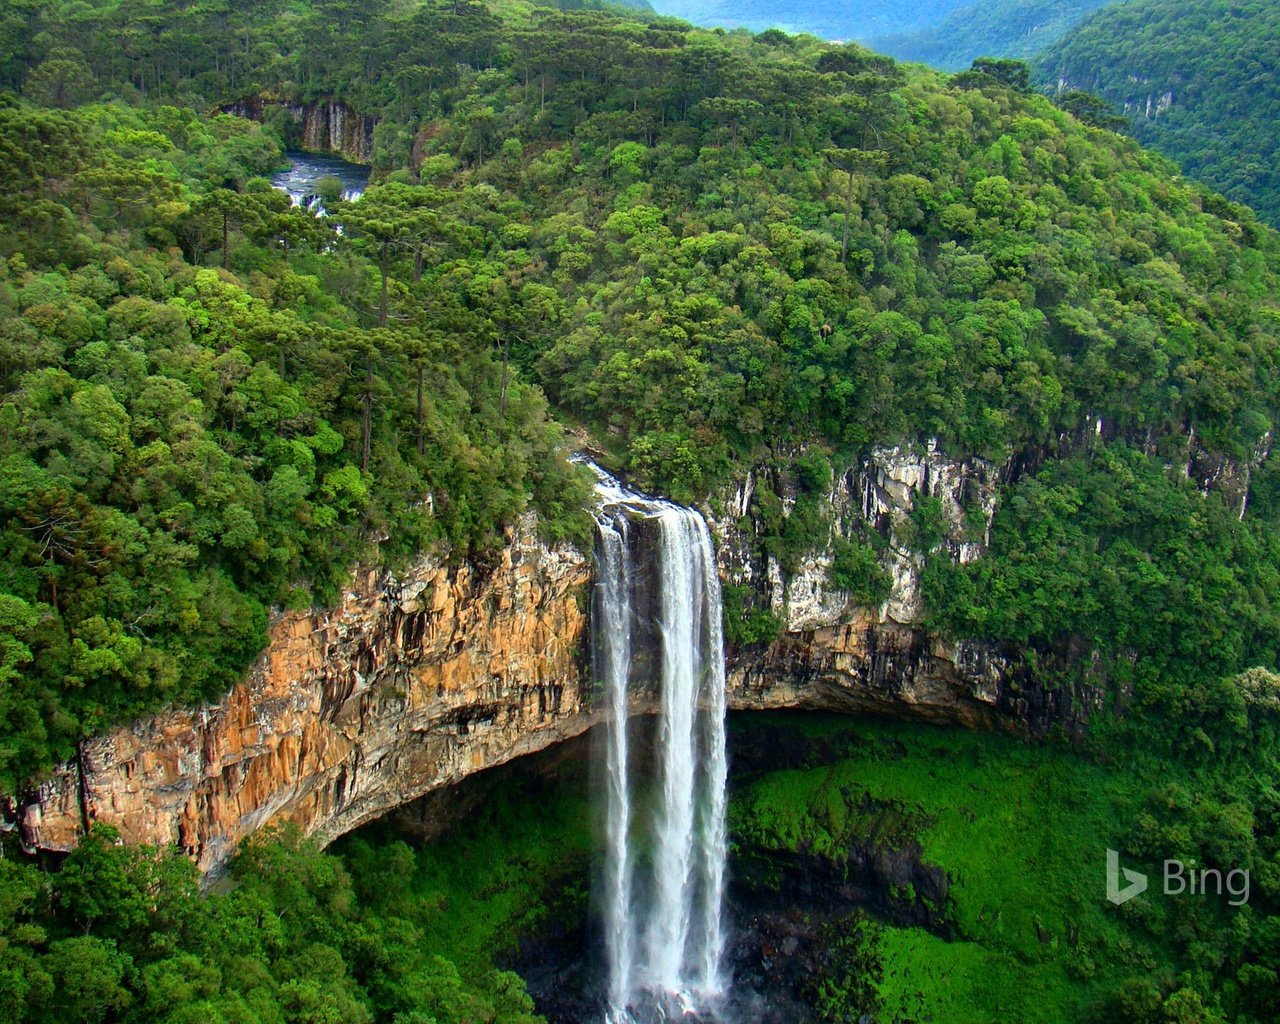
299	182
656	632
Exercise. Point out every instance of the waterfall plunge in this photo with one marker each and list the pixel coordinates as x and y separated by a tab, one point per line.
662	918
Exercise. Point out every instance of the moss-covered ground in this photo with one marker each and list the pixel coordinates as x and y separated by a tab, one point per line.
1021	831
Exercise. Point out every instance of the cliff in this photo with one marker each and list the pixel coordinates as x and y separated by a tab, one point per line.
327	126
423	677
836	656
414	682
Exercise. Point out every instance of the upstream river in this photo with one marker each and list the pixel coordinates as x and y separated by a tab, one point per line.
305	169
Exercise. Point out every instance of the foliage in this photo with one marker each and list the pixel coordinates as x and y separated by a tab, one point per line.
986	271
745	623
185	446
827	21
1021	832
1009	28
1091	110
1110	554
847	988
855	568
705	247
1199	80
302	936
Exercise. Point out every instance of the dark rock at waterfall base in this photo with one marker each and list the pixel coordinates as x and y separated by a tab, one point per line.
775	958
560	972
795	917
788	922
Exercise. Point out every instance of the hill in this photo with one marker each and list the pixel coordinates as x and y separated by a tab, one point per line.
701	246
990	28
843	20
1199	80
710	250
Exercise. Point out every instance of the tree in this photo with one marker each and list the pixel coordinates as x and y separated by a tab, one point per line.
1013	74
1092	110
853	162
230	207
89	979
61	80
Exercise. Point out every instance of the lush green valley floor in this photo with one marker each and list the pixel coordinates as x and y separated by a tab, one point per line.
1021	832
1013	925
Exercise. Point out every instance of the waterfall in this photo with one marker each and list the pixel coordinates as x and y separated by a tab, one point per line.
613	661
658	593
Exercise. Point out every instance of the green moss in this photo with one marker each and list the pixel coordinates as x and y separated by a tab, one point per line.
1021	832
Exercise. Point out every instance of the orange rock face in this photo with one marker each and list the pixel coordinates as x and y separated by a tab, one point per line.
420	679
412	683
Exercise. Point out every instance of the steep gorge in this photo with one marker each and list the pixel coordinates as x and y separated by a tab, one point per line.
425	676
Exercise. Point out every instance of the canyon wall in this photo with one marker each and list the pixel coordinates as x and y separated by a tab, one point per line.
414	682
834	655
327	126
422	677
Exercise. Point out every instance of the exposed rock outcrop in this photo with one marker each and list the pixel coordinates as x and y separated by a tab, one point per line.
421	678
328	126
414	682
880	493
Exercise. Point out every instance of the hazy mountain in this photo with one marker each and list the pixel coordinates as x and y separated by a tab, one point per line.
994	28
841	20
1200	80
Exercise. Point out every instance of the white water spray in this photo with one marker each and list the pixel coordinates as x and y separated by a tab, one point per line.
663	932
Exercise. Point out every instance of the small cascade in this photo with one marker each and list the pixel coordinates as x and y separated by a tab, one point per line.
300	180
657	626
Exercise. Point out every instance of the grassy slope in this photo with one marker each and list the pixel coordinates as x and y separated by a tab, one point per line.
1021	832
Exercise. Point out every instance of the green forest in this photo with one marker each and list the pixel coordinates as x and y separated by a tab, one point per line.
1198	79
700	247
1003	28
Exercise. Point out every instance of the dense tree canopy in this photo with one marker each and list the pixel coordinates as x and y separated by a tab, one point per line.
186	446
700	244
1007	28
703	247
1199	81
121	933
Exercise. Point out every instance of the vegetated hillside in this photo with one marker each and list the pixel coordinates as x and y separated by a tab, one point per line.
842	20
698	245
1199	80
376	932
989	28
208	412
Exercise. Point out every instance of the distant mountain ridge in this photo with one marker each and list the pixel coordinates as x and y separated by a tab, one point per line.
946	34
843	21
1200	80
995	28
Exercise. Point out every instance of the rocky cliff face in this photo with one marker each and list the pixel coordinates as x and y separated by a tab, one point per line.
880	493
836	656
422	678
413	683
324	127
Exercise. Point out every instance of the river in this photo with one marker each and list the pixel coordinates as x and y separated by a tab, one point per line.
305	169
